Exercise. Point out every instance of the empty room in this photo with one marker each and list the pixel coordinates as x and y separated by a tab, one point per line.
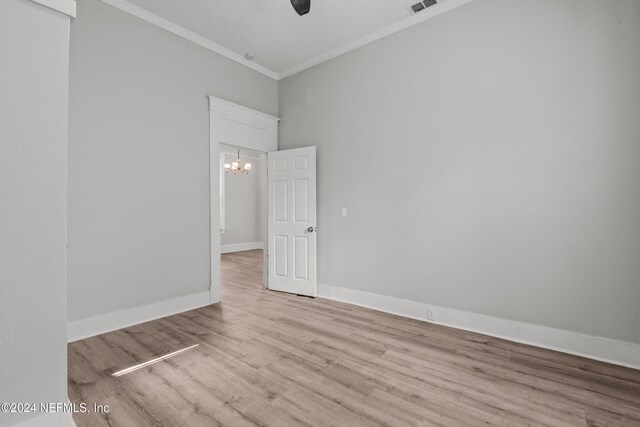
319	212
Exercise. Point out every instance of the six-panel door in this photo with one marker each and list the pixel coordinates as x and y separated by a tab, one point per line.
292	221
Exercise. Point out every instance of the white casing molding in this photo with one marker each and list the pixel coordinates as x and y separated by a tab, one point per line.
188	35
603	349
230	109
68	7
239	247
85	328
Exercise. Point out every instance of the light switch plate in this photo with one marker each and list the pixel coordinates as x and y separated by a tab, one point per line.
343	212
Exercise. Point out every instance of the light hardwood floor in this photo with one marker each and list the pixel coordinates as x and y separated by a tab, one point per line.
267	358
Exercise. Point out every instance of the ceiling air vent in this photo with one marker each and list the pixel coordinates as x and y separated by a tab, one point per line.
418	7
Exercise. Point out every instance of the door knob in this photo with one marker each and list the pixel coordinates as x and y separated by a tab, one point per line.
311	229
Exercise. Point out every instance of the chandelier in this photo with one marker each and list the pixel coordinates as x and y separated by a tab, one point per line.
236	168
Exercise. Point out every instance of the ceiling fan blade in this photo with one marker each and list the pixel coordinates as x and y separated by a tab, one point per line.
301	6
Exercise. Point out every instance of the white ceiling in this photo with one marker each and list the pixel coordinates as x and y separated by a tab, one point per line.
282	41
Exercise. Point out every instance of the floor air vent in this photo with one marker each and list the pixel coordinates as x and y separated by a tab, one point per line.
418	7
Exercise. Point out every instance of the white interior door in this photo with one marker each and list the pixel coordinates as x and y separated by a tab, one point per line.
292	221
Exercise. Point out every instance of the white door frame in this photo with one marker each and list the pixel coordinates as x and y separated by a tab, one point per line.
243	127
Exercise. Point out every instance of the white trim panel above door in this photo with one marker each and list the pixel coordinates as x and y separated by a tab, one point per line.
243	127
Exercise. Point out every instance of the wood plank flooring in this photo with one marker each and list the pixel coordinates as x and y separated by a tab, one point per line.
267	358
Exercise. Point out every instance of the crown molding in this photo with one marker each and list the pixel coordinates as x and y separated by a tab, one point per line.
151	18
68	7
418	18
125	6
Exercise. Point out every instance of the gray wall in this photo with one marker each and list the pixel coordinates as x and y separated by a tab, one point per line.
34	52
139	159
489	161
243	203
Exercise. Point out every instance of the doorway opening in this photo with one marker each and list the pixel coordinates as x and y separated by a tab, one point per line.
288	205
236	126
242	213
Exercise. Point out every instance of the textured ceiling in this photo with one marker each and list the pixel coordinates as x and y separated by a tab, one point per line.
273	31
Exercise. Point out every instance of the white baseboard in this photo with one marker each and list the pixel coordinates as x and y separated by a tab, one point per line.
598	348
238	247
85	328
51	419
